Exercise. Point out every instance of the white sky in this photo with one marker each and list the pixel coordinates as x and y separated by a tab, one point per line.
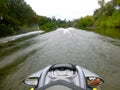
64	9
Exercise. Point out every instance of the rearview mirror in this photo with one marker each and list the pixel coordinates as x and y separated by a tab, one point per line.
94	81
31	81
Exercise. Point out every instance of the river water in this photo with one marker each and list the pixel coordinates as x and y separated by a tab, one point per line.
22	57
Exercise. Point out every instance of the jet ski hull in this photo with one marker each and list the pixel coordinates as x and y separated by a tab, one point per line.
60	74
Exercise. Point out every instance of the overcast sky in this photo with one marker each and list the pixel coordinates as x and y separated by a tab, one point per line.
64	9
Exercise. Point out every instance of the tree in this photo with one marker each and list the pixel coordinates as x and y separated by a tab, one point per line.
116	2
101	2
15	14
109	8
83	22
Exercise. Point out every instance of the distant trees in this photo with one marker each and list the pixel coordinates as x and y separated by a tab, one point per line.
46	24
108	15
16	17
83	22
49	24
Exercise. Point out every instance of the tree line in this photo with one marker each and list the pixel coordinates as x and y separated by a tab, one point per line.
49	24
108	15
16	17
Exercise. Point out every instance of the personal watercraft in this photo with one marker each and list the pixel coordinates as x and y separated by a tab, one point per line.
64	77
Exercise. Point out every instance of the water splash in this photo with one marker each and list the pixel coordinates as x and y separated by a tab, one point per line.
65	30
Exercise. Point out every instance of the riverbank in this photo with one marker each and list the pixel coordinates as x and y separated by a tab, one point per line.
110	32
15	37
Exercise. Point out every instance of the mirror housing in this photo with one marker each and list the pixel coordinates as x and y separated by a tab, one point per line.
31	81
93	81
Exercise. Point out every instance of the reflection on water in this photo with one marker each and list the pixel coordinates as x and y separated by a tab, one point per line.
111	32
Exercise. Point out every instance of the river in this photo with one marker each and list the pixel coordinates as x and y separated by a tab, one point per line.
22	57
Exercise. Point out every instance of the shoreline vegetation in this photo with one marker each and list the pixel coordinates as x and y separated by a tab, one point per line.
17	17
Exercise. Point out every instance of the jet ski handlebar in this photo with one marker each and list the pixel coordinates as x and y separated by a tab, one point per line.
63	67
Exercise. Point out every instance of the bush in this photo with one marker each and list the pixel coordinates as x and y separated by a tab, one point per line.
6	30
84	22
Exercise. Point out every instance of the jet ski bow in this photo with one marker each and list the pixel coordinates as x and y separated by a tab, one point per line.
64	77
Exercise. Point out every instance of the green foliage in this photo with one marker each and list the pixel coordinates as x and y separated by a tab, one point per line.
84	22
13	15
6	30
111	32
48	27
115	20
109	9
18	17
106	16
116	2
48	24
